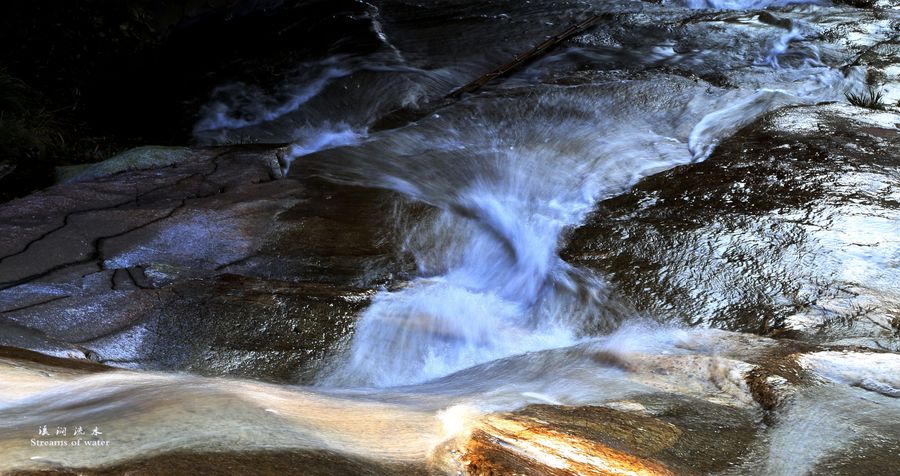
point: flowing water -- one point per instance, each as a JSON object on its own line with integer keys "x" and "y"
{"x": 511, "y": 169}
{"x": 495, "y": 319}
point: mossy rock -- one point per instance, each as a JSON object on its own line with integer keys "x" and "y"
{"x": 140, "y": 158}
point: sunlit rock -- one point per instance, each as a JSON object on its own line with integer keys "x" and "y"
{"x": 790, "y": 226}
{"x": 674, "y": 435}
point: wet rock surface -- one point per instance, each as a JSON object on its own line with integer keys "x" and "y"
{"x": 698, "y": 408}
{"x": 716, "y": 402}
{"x": 213, "y": 263}
{"x": 654, "y": 434}
{"x": 791, "y": 226}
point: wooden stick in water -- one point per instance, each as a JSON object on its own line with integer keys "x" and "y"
{"x": 406, "y": 115}
{"x": 529, "y": 55}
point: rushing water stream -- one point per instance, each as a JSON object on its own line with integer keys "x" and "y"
{"x": 496, "y": 319}
{"x": 514, "y": 167}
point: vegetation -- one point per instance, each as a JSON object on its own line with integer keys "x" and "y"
{"x": 34, "y": 139}
{"x": 26, "y": 127}
{"x": 871, "y": 98}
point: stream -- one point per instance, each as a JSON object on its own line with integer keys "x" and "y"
{"x": 513, "y": 168}
{"x": 493, "y": 318}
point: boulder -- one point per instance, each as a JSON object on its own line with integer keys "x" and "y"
{"x": 789, "y": 228}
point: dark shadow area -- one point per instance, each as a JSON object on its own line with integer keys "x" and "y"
{"x": 80, "y": 81}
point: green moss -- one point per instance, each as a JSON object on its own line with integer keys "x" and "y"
{"x": 140, "y": 158}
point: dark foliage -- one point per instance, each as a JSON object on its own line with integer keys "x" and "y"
{"x": 869, "y": 99}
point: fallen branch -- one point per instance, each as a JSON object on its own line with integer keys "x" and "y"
{"x": 529, "y": 55}
{"x": 403, "y": 116}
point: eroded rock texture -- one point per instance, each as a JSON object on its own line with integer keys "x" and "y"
{"x": 214, "y": 263}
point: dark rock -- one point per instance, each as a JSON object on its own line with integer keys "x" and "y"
{"x": 769, "y": 18}
{"x": 255, "y": 328}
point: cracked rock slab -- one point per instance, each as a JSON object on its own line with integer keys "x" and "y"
{"x": 213, "y": 262}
